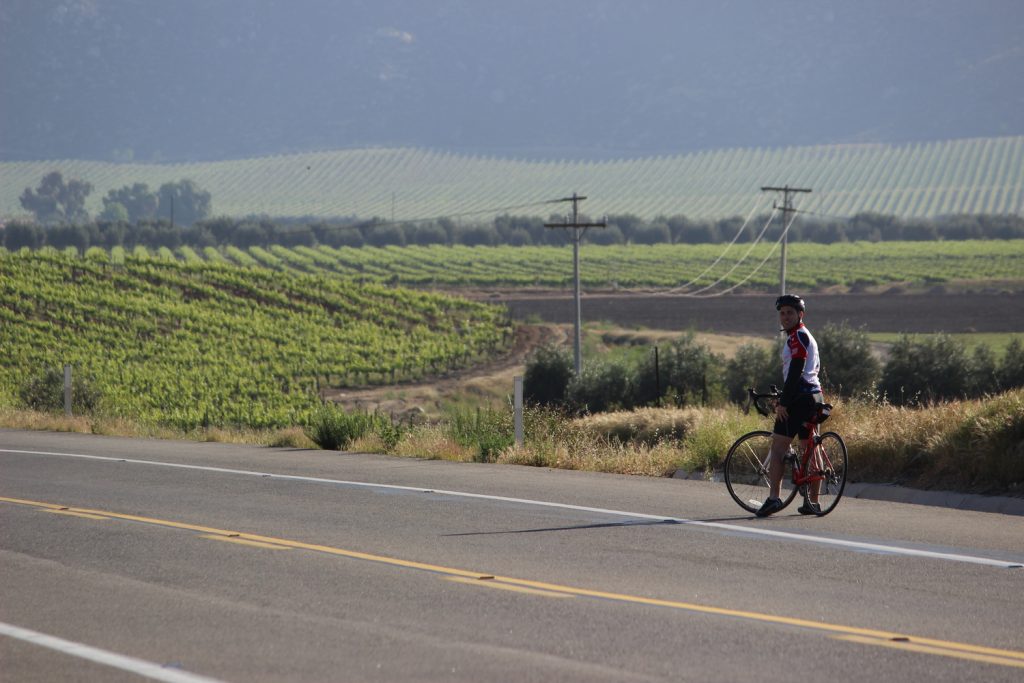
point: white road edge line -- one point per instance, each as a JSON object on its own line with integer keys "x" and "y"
{"x": 136, "y": 666}
{"x": 735, "y": 528}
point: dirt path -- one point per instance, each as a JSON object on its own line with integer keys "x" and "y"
{"x": 413, "y": 400}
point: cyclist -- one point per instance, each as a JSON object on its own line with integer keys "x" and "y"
{"x": 801, "y": 396}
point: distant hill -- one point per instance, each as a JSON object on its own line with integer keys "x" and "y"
{"x": 981, "y": 175}
{"x": 195, "y": 80}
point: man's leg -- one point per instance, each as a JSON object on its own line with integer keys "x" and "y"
{"x": 776, "y": 467}
{"x": 813, "y": 464}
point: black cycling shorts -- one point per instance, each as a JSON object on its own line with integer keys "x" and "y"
{"x": 803, "y": 409}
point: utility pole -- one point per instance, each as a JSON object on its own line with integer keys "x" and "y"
{"x": 577, "y": 233}
{"x": 787, "y": 208}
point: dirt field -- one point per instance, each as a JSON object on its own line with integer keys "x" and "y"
{"x": 914, "y": 313}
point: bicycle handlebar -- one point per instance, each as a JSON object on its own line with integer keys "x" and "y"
{"x": 773, "y": 394}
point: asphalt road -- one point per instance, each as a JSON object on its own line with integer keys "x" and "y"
{"x": 187, "y": 562}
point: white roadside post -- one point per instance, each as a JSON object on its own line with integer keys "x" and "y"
{"x": 67, "y": 390}
{"x": 518, "y": 409}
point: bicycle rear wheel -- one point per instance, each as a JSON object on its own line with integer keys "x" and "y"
{"x": 830, "y": 461}
{"x": 746, "y": 472}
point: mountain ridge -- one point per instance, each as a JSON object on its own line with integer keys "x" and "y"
{"x": 193, "y": 80}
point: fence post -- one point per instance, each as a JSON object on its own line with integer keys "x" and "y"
{"x": 67, "y": 390}
{"x": 657, "y": 379}
{"x": 518, "y": 409}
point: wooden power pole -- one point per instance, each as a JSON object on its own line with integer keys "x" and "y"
{"x": 577, "y": 233}
{"x": 786, "y": 208}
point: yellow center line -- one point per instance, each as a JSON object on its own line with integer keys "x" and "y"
{"x": 874, "y": 636}
{"x": 914, "y": 645}
{"x": 245, "y": 541}
{"x": 507, "y": 587}
{"x": 72, "y": 513}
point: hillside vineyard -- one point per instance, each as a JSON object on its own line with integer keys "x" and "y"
{"x": 196, "y": 344}
{"x": 972, "y": 176}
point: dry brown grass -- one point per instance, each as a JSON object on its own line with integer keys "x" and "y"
{"x": 597, "y": 455}
{"x": 11, "y": 418}
{"x": 434, "y": 443}
{"x": 975, "y": 446}
{"x": 645, "y": 425}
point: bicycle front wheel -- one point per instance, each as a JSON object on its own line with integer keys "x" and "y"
{"x": 830, "y": 461}
{"x": 746, "y": 472}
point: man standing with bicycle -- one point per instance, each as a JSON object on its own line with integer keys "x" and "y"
{"x": 798, "y": 405}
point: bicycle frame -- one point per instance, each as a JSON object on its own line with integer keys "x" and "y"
{"x": 819, "y": 464}
{"x": 802, "y": 475}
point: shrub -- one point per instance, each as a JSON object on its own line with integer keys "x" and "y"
{"x": 688, "y": 372}
{"x": 428, "y": 233}
{"x": 601, "y": 386}
{"x": 754, "y": 366}
{"x": 249, "y": 235}
{"x": 657, "y": 233}
{"x": 477, "y": 235}
{"x": 984, "y": 374}
{"x": 384, "y": 235}
{"x": 1011, "y": 369}
{"x": 333, "y": 429}
{"x": 610, "y": 235}
{"x": 927, "y": 371}
{"x": 18, "y": 235}
{"x": 648, "y": 426}
{"x": 847, "y": 364}
{"x": 61, "y": 236}
{"x": 487, "y": 429}
{"x": 345, "y": 237}
{"x": 45, "y": 392}
{"x": 547, "y": 376}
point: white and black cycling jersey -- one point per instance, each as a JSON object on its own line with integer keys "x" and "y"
{"x": 800, "y": 352}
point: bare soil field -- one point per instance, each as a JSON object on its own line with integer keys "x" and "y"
{"x": 754, "y": 314}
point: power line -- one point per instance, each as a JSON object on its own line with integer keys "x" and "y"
{"x": 753, "y": 272}
{"x": 720, "y": 256}
{"x": 756, "y": 241}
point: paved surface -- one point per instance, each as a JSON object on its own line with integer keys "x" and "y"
{"x": 1007, "y": 505}
{"x": 245, "y": 564}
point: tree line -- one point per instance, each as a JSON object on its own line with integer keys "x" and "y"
{"x": 56, "y": 201}
{"x": 178, "y": 214}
